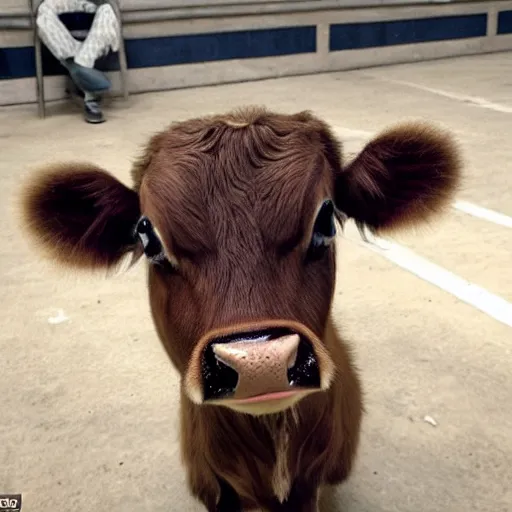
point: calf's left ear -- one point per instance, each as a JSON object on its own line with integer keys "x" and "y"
{"x": 402, "y": 177}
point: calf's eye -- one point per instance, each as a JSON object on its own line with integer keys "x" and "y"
{"x": 324, "y": 231}
{"x": 152, "y": 246}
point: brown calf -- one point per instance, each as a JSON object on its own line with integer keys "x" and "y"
{"x": 236, "y": 215}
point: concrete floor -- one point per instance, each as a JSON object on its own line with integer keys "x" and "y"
{"x": 88, "y": 415}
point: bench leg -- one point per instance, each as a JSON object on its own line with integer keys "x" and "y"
{"x": 39, "y": 76}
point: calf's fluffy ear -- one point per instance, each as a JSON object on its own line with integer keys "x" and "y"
{"x": 402, "y": 177}
{"x": 80, "y": 215}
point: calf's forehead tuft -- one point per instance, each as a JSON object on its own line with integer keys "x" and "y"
{"x": 264, "y": 130}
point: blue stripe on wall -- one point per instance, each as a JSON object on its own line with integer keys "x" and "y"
{"x": 350, "y": 36}
{"x": 180, "y": 49}
{"x": 505, "y": 22}
{"x": 243, "y": 44}
{"x": 16, "y": 62}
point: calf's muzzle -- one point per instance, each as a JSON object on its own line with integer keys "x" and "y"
{"x": 258, "y": 369}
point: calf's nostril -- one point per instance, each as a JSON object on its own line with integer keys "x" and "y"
{"x": 219, "y": 379}
{"x": 305, "y": 371}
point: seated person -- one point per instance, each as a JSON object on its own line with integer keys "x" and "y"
{"x": 79, "y": 57}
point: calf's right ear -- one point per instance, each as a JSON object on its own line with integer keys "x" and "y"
{"x": 80, "y": 215}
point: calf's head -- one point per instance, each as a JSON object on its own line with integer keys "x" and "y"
{"x": 236, "y": 215}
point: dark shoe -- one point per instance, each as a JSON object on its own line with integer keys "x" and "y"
{"x": 87, "y": 79}
{"x": 92, "y": 112}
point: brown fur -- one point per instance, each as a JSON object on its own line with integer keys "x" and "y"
{"x": 323, "y": 433}
{"x": 234, "y": 199}
{"x": 406, "y": 175}
{"x": 99, "y": 215}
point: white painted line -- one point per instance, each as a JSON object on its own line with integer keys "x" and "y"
{"x": 470, "y": 293}
{"x": 345, "y": 132}
{"x": 484, "y": 213}
{"x": 472, "y": 100}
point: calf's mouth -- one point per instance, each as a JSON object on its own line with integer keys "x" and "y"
{"x": 258, "y": 369}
